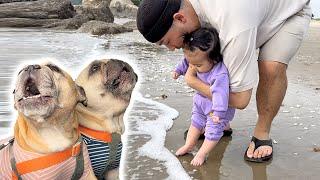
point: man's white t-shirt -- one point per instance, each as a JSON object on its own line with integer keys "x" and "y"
{"x": 244, "y": 26}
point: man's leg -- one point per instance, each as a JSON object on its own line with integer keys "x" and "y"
{"x": 270, "y": 93}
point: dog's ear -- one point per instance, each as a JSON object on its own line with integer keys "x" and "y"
{"x": 82, "y": 95}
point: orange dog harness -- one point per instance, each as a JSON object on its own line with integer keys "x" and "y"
{"x": 46, "y": 161}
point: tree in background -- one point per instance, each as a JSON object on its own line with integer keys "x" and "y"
{"x": 136, "y": 2}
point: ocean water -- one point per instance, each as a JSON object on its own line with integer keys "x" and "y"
{"x": 73, "y": 51}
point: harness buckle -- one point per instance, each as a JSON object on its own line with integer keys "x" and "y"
{"x": 76, "y": 149}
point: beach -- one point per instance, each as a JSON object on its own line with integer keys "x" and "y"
{"x": 295, "y": 130}
{"x": 161, "y": 107}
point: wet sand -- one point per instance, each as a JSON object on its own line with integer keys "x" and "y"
{"x": 295, "y": 129}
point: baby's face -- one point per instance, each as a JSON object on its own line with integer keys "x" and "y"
{"x": 199, "y": 59}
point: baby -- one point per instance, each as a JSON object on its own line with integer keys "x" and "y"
{"x": 209, "y": 116}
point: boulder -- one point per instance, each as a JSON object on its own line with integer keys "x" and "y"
{"x": 123, "y": 9}
{"x": 131, "y": 24}
{"x": 10, "y": 1}
{"x": 96, "y": 3}
{"x": 101, "y": 28}
{"x": 42, "y": 9}
{"x": 83, "y": 15}
{"x": 34, "y": 13}
{"x": 95, "y": 13}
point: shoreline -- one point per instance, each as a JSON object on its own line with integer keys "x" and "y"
{"x": 301, "y": 109}
{"x": 294, "y": 129}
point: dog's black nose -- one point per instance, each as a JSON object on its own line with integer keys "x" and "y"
{"x": 32, "y": 67}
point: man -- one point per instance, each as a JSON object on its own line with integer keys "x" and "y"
{"x": 275, "y": 27}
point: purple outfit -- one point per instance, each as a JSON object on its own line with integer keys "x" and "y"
{"x": 218, "y": 80}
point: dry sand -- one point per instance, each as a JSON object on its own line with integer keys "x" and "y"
{"x": 295, "y": 129}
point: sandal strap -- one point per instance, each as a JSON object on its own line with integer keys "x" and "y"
{"x": 258, "y": 142}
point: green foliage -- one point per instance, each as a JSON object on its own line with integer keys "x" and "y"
{"x": 136, "y": 2}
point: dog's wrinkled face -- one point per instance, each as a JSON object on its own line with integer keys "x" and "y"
{"x": 107, "y": 80}
{"x": 45, "y": 91}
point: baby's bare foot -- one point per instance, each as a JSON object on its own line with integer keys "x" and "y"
{"x": 183, "y": 150}
{"x": 198, "y": 160}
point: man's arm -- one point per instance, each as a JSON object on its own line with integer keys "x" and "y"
{"x": 238, "y": 100}
{"x": 241, "y": 60}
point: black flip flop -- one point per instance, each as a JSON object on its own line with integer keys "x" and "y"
{"x": 226, "y": 133}
{"x": 257, "y": 143}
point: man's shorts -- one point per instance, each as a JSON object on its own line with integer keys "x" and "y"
{"x": 286, "y": 42}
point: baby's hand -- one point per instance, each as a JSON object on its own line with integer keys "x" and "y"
{"x": 214, "y": 118}
{"x": 175, "y": 75}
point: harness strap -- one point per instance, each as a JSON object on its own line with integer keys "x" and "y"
{"x": 78, "y": 172}
{"x": 15, "y": 174}
{"x": 48, "y": 161}
{"x": 7, "y": 143}
{"x": 113, "y": 149}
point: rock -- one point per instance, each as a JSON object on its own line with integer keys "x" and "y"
{"x": 316, "y": 149}
{"x": 26, "y": 22}
{"x": 42, "y": 9}
{"x": 96, "y": 3}
{"x": 35, "y": 13}
{"x": 72, "y": 23}
{"x": 163, "y": 96}
{"x": 101, "y": 28}
{"x": 84, "y": 14}
{"x": 10, "y": 1}
{"x": 95, "y": 13}
{"x": 131, "y": 24}
{"x": 123, "y": 8}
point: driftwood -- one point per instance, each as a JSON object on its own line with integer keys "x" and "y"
{"x": 41, "y": 9}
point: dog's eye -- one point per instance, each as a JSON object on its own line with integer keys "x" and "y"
{"x": 20, "y": 71}
{"x": 54, "y": 68}
{"x": 94, "y": 68}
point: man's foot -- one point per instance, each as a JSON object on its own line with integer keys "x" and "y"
{"x": 259, "y": 150}
{"x": 198, "y": 160}
{"x": 184, "y": 150}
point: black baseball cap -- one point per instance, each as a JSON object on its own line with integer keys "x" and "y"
{"x": 155, "y": 17}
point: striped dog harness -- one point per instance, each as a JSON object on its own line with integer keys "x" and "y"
{"x": 104, "y": 156}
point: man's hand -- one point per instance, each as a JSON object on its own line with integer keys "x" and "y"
{"x": 214, "y": 118}
{"x": 175, "y": 75}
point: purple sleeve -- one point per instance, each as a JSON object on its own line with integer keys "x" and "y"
{"x": 220, "y": 95}
{"x": 214, "y": 131}
{"x": 182, "y": 67}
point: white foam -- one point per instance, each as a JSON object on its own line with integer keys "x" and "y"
{"x": 157, "y": 128}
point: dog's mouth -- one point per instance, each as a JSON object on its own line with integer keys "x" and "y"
{"x": 32, "y": 93}
{"x": 35, "y": 93}
{"x": 119, "y": 76}
{"x": 125, "y": 77}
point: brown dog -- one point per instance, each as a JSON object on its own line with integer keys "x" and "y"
{"x": 108, "y": 85}
{"x": 46, "y": 138}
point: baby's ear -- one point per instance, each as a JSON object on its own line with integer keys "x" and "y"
{"x": 82, "y": 98}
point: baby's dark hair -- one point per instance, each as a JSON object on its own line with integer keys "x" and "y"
{"x": 205, "y": 39}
